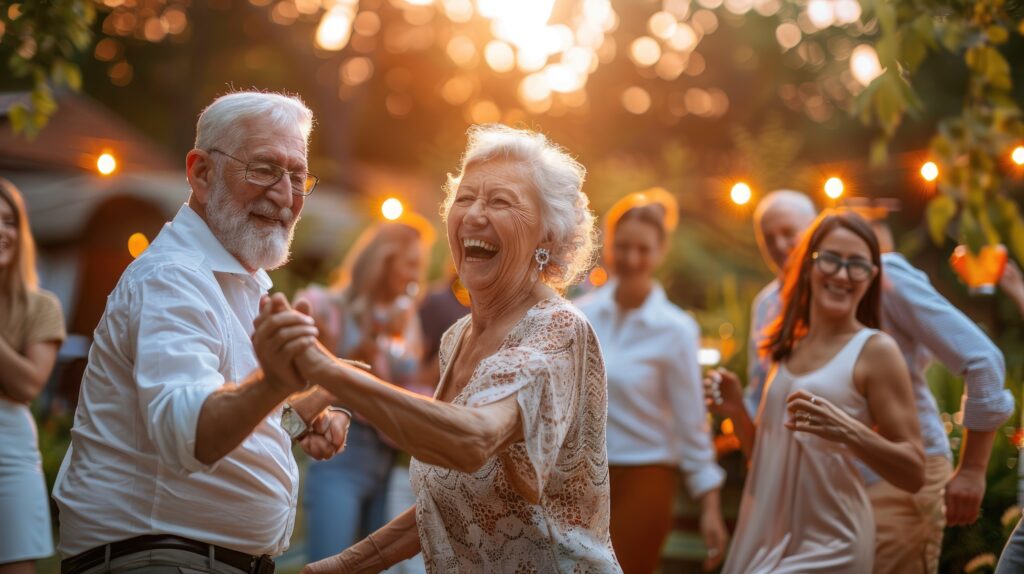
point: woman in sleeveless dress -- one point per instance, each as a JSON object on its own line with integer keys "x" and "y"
{"x": 839, "y": 393}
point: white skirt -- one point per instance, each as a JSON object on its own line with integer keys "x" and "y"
{"x": 25, "y": 531}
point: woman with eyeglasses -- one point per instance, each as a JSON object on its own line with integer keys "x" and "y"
{"x": 839, "y": 392}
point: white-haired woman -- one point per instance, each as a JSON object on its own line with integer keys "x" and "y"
{"x": 31, "y": 330}
{"x": 510, "y": 468}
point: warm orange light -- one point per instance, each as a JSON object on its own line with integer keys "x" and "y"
{"x": 137, "y": 243}
{"x": 728, "y": 427}
{"x": 598, "y": 276}
{"x": 834, "y": 187}
{"x": 1018, "y": 155}
{"x": 106, "y": 164}
{"x": 391, "y": 209}
{"x": 930, "y": 171}
{"x": 980, "y": 272}
{"x": 741, "y": 193}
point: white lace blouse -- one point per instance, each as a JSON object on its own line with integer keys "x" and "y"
{"x": 543, "y": 504}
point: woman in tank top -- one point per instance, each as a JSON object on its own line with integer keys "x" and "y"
{"x": 839, "y": 393}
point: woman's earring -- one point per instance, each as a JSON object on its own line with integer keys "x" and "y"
{"x": 542, "y": 256}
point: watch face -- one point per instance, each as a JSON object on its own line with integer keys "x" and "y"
{"x": 292, "y": 423}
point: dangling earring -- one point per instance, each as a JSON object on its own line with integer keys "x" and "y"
{"x": 542, "y": 256}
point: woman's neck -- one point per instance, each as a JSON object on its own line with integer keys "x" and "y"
{"x": 495, "y": 307}
{"x": 631, "y": 293}
{"x": 822, "y": 326}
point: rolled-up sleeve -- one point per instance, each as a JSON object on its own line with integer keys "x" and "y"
{"x": 698, "y": 462}
{"x": 954, "y": 339}
{"x": 177, "y": 359}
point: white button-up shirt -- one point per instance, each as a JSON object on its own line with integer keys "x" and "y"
{"x": 176, "y": 328}
{"x": 656, "y": 412}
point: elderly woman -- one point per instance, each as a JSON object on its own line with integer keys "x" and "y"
{"x": 510, "y": 468}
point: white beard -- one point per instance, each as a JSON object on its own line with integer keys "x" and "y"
{"x": 255, "y": 247}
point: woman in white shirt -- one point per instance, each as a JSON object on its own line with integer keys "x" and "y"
{"x": 657, "y": 422}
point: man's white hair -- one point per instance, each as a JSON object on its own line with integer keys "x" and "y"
{"x": 798, "y": 200}
{"x": 223, "y": 123}
{"x": 568, "y": 223}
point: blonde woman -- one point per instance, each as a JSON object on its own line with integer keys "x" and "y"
{"x": 31, "y": 330}
{"x": 657, "y": 423}
{"x": 369, "y": 314}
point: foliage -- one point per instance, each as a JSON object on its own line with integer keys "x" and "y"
{"x": 970, "y": 148}
{"x": 44, "y": 38}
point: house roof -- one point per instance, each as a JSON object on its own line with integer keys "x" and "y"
{"x": 74, "y": 138}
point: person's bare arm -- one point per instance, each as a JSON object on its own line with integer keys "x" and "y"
{"x": 396, "y": 541}
{"x": 22, "y": 377}
{"x": 895, "y": 451}
{"x": 435, "y": 432}
{"x": 229, "y": 414}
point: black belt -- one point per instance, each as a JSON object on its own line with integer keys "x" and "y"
{"x": 90, "y": 558}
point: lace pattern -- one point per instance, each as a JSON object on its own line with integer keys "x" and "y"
{"x": 543, "y": 504}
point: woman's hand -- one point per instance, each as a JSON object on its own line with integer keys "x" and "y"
{"x": 723, "y": 393}
{"x": 816, "y": 415}
{"x": 333, "y": 565}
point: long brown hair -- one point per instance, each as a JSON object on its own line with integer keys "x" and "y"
{"x": 793, "y": 322}
{"x": 19, "y": 278}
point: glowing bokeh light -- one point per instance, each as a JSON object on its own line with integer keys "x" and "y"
{"x": 106, "y": 164}
{"x": 499, "y": 56}
{"x": 741, "y": 193}
{"x": 834, "y": 187}
{"x": 137, "y": 243}
{"x": 864, "y": 64}
{"x": 636, "y": 100}
{"x": 930, "y": 171}
{"x": 335, "y": 28}
{"x": 1018, "y": 155}
{"x": 645, "y": 51}
{"x": 391, "y": 209}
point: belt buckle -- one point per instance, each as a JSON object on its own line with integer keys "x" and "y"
{"x": 263, "y": 565}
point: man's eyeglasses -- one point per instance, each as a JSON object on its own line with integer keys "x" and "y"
{"x": 856, "y": 269}
{"x": 266, "y": 174}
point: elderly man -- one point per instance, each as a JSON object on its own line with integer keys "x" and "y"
{"x": 926, "y": 325}
{"x": 180, "y": 459}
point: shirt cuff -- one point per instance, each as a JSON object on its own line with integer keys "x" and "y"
{"x": 987, "y": 413}
{"x": 698, "y": 483}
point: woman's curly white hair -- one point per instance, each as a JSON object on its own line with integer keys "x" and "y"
{"x": 569, "y": 225}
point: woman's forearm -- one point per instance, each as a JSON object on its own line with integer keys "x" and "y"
{"x": 432, "y": 431}
{"x": 21, "y": 378}
{"x": 396, "y": 541}
{"x": 899, "y": 463}
{"x": 745, "y": 430}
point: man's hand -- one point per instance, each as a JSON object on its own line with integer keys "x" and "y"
{"x": 963, "y": 496}
{"x": 328, "y": 433}
{"x": 281, "y": 334}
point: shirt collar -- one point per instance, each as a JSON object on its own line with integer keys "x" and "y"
{"x": 649, "y": 312}
{"x": 193, "y": 231}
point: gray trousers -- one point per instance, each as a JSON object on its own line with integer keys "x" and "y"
{"x": 164, "y": 562}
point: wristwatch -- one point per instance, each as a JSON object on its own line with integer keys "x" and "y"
{"x": 293, "y": 423}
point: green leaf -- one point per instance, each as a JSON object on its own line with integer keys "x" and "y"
{"x": 19, "y": 117}
{"x": 971, "y": 232}
{"x": 939, "y": 213}
{"x": 879, "y": 153}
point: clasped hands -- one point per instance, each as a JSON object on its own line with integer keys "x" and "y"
{"x": 285, "y": 341}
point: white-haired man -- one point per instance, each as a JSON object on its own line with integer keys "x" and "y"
{"x": 180, "y": 459}
{"x": 925, "y": 325}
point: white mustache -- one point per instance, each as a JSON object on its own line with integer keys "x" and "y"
{"x": 265, "y": 208}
